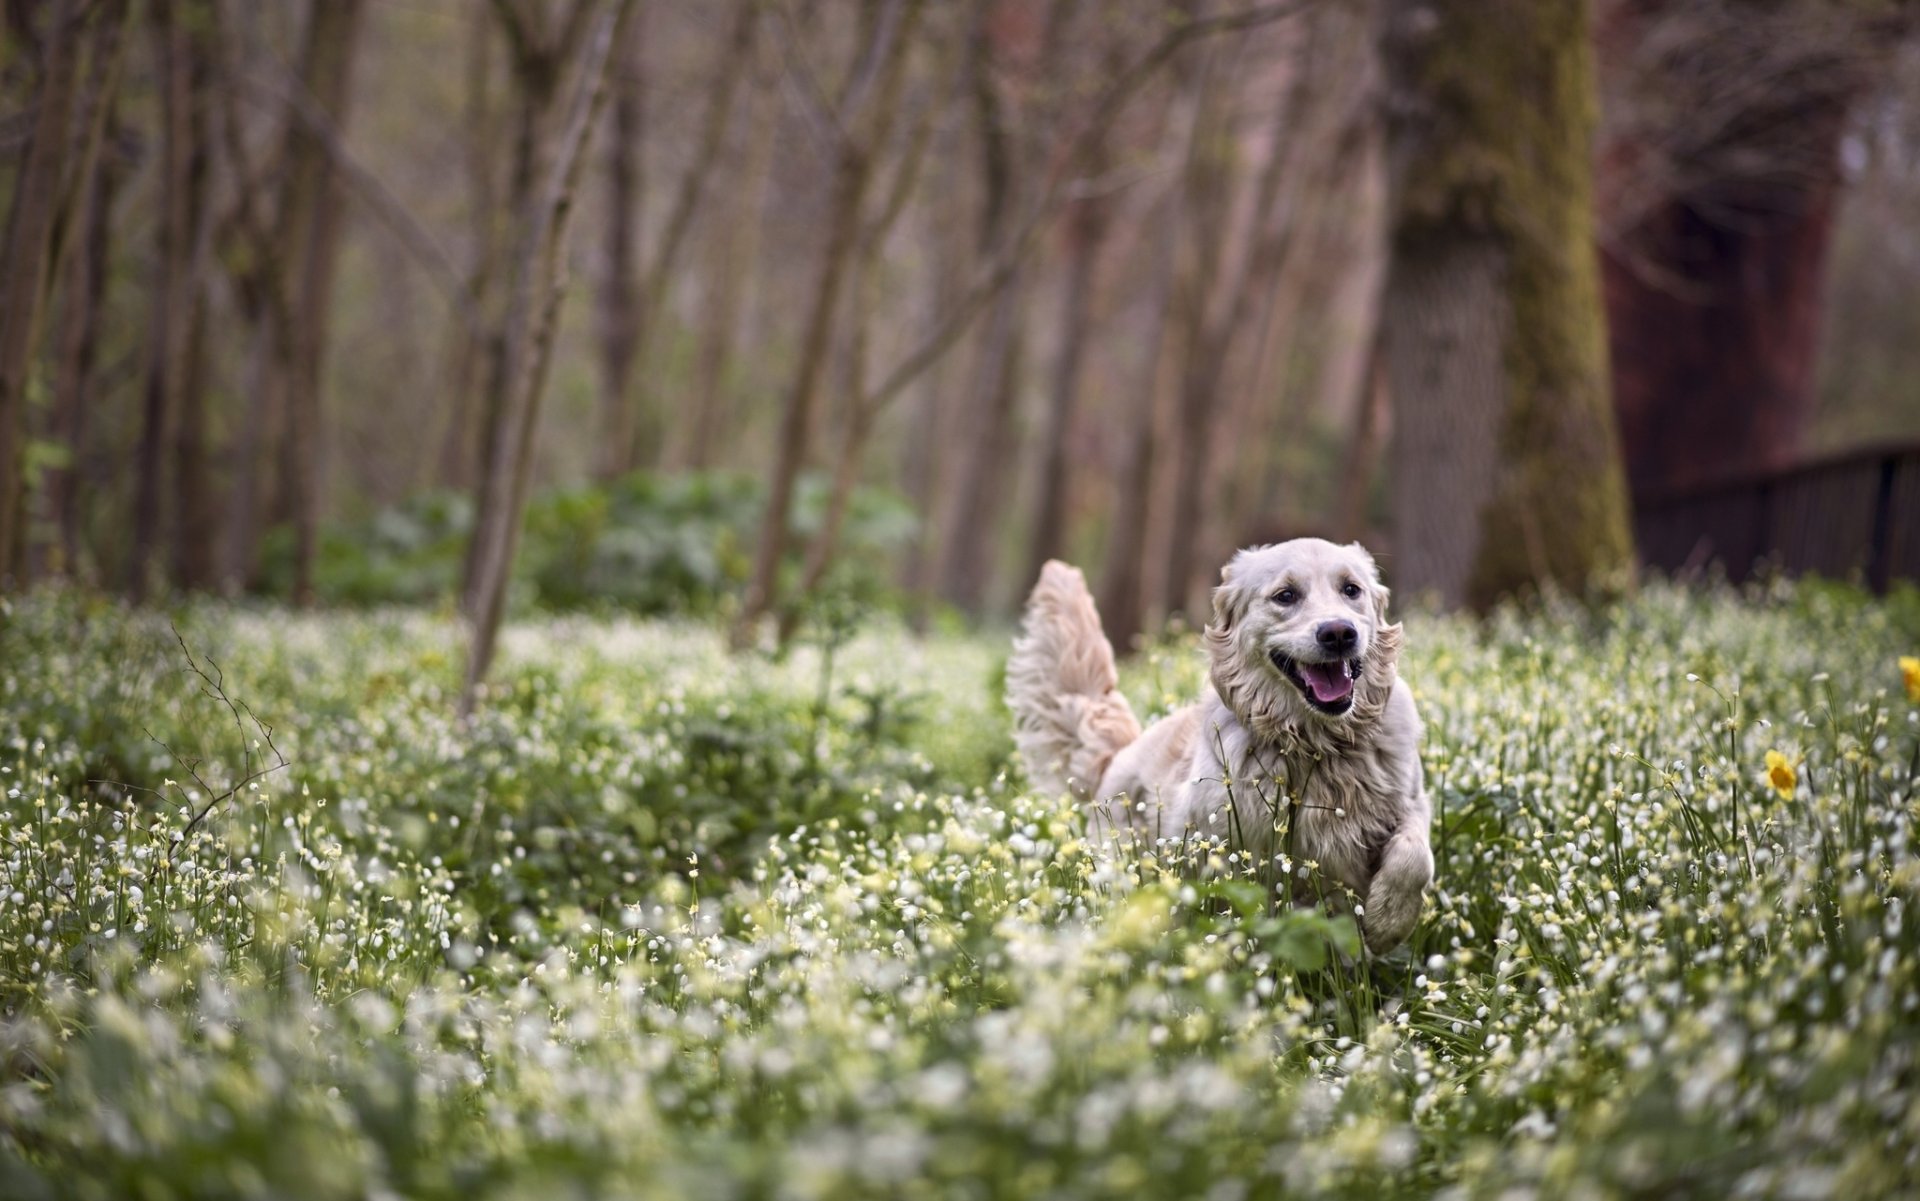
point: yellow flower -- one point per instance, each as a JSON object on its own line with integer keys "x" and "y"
{"x": 1910, "y": 675}
{"x": 1780, "y": 774}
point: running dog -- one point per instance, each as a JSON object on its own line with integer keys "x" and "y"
{"x": 1305, "y": 730}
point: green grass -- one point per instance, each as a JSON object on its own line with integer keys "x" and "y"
{"x": 668, "y": 923}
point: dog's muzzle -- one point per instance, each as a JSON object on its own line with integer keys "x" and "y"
{"x": 1327, "y": 686}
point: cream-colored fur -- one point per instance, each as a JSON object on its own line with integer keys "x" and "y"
{"x": 1253, "y": 766}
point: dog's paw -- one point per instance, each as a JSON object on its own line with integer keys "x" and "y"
{"x": 1395, "y": 895}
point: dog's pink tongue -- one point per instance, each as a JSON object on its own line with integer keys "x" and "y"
{"x": 1328, "y": 681}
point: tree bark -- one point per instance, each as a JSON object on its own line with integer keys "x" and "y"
{"x": 628, "y": 420}
{"x": 83, "y": 261}
{"x": 1506, "y": 466}
{"x": 331, "y": 38}
{"x": 25, "y": 262}
{"x": 538, "y": 60}
{"x": 195, "y": 519}
{"x": 1122, "y": 595}
{"x": 619, "y": 286}
{"x": 735, "y": 247}
{"x": 539, "y": 284}
{"x": 468, "y": 354}
{"x": 862, "y": 124}
{"x": 1086, "y": 231}
{"x": 972, "y": 510}
{"x": 1216, "y": 310}
{"x": 86, "y": 293}
{"x": 175, "y": 294}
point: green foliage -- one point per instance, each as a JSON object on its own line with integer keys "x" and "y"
{"x": 666, "y": 922}
{"x": 648, "y": 544}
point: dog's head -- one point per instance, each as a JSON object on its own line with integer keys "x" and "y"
{"x": 1300, "y": 631}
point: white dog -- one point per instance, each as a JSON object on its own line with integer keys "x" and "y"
{"x": 1305, "y": 732}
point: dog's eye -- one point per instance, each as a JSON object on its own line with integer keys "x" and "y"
{"x": 1350, "y": 590}
{"x": 1286, "y": 596}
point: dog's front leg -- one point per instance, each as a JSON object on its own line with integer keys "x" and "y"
{"x": 1399, "y": 884}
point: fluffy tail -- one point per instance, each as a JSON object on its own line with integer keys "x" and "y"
{"x": 1068, "y": 719}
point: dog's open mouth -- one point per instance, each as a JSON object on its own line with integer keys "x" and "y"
{"x": 1328, "y": 686}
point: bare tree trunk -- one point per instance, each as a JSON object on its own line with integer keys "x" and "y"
{"x": 1122, "y": 595}
{"x": 860, "y": 136}
{"x": 1506, "y": 467}
{"x": 971, "y": 512}
{"x": 1086, "y": 231}
{"x": 539, "y": 284}
{"x": 1122, "y": 590}
{"x": 1209, "y": 330}
{"x": 171, "y": 317}
{"x": 535, "y": 102}
{"x": 457, "y": 467}
{"x": 619, "y": 287}
{"x": 636, "y": 418}
{"x": 921, "y": 475}
{"x": 331, "y": 36}
{"x": 86, "y": 273}
{"x": 86, "y": 293}
{"x": 863, "y": 408}
{"x": 735, "y": 244}
{"x": 1362, "y": 452}
{"x": 194, "y": 516}
{"x": 26, "y": 260}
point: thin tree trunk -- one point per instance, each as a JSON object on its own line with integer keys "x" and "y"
{"x": 1086, "y": 225}
{"x": 535, "y": 101}
{"x": 331, "y": 38}
{"x": 260, "y": 299}
{"x": 797, "y": 415}
{"x": 863, "y": 409}
{"x": 457, "y": 468}
{"x": 1362, "y": 452}
{"x": 728, "y": 70}
{"x": 25, "y": 261}
{"x": 966, "y": 540}
{"x": 539, "y": 284}
{"x": 194, "y": 539}
{"x": 921, "y": 475}
{"x": 170, "y": 318}
{"x": 973, "y": 509}
{"x": 620, "y": 315}
{"x": 86, "y": 294}
{"x": 1122, "y": 581}
{"x": 86, "y": 278}
{"x": 858, "y": 145}
{"x": 1122, "y": 595}
{"x": 735, "y": 242}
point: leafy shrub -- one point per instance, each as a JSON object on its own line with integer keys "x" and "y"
{"x": 648, "y": 543}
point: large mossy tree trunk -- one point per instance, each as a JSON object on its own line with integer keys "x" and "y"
{"x": 1507, "y": 470}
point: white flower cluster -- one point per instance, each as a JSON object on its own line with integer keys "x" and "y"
{"x": 663, "y": 922}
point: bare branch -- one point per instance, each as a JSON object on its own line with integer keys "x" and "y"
{"x": 803, "y": 87}
{"x": 1104, "y": 110}
{"x": 726, "y": 79}
{"x": 389, "y": 209}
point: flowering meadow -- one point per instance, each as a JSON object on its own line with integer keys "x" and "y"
{"x": 667, "y": 922}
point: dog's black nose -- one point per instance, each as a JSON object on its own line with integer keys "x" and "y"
{"x": 1336, "y": 637}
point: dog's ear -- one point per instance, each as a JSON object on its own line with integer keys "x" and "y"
{"x": 1227, "y": 603}
{"x": 1379, "y": 592}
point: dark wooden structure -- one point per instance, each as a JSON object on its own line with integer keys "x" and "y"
{"x": 1853, "y": 515}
